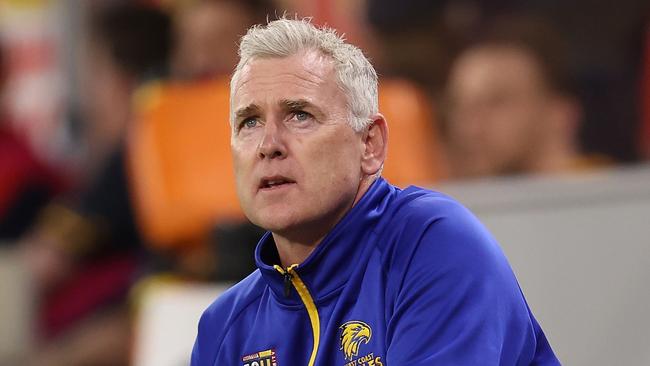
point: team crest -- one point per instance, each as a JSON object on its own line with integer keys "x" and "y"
{"x": 262, "y": 358}
{"x": 353, "y": 334}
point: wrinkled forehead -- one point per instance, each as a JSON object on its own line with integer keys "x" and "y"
{"x": 305, "y": 61}
{"x": 305, "y": 75}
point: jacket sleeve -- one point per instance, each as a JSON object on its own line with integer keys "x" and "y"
{"x": 203, "y": 352}
{"x": 458, "y": 302}
{"x": 212, "y": 328}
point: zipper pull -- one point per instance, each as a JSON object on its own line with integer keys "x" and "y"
{"x": 287, "y": 283}
{"x": 286, "y": 274}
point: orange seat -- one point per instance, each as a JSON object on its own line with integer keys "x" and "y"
{"x": 414, "y": 149}
{"x": 180, "y": 164}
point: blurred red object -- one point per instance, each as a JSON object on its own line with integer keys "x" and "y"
{"x": 21, "y": 172}
{"x": 92, "y": 287}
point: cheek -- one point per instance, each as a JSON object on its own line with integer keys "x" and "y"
{"x": 507, "y": 124}
{"x": 339, "y": 161}
{"x": 520, "y": 129}
{"x": 241, "y": 165}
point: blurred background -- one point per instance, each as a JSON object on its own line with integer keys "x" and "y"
{"x": 118, "y": 216}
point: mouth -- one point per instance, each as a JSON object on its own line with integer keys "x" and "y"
{"x": 275, "y": 182}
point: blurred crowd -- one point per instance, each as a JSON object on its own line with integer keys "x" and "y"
{"x": 141, "y": 187}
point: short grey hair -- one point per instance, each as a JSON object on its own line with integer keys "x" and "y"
{"x": 286, "y": 37}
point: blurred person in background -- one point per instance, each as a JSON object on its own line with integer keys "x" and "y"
{"x": 207, "y": 32}
{"x": 84, "y": 252}
{"x": 26, "y": 182}
{"x": 509, "y": 106}
{"x": 128, "y": 46}
{"x": 434, "y": 31}
{"x": 606, "y": 54}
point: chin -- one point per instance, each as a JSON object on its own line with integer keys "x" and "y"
{"x": 272, "y": 220}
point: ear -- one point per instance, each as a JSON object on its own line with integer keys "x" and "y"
{"x": 375, "y": 144}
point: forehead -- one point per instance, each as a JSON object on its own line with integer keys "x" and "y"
{"x": 496, "y": 67}
{"x": 308, "y": 75}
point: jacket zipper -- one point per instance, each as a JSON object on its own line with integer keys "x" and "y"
{"x": 291, "y": 278}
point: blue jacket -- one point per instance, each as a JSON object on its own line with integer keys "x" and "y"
{"x": 406, "y": 278}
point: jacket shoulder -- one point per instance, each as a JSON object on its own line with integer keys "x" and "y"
{"x": 418, "y": 211}
{"x": 417, "y": 204}
{"x": 431, "y": 227}
{"x": 441, "y": 260}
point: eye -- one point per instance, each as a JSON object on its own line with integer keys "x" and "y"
{"x": 301, "y": 115}
{"x": 249, "y": 122}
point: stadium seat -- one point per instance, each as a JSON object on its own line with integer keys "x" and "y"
{"x": 414, "y": 149}
{"x": 180, "y": 165}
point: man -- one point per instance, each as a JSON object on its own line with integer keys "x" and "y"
{"x": 353, "y": 270}
{"x": 510, "y": 107}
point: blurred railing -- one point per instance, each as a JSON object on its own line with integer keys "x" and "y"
{"x": 16, "y": 309}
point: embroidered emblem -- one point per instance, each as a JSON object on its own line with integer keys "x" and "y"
{"x": 353, "y": 333}
{"x": 261, "y": 358}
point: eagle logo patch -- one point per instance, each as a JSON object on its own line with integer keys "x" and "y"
{"x": 353, "y": 333}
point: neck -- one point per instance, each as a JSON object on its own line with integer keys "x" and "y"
{"x": 294, "y": 246}
{"x": 292, "y": 252}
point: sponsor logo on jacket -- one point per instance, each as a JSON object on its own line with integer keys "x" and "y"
{"x": 261, "y": 358}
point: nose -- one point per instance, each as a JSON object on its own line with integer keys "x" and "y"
{"x": 272, "y": 145}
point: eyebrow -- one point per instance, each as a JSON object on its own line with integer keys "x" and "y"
{"x": 247, "y": 111}
{"x": 294, "y": 104}
{"x": 287, "y": 104}
{"x": 297, "y": 104}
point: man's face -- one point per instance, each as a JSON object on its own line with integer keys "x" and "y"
{"x": 297, "y": 161}
{"x": 497, "y": 102}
